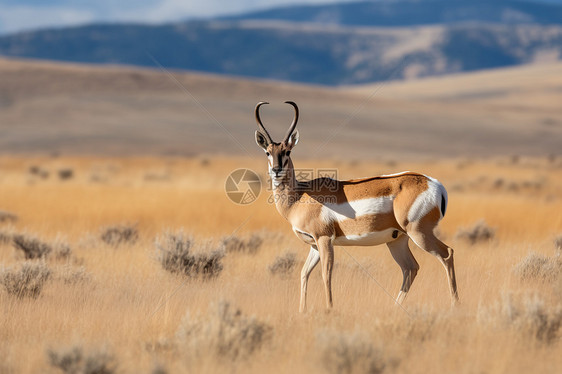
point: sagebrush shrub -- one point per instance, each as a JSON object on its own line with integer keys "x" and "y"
{"x": 537, "y": 266}
{"x": 31, "y": 247}
{"x": 27, "y": 281}
{"x": 34, "y": 248}
{"x": 284, "y": 264}
{"x": 235, "y": 244}
{"x": 558, "y": 245}
{"x": 159, "y": 368}
{"x": 480, "y": 232}
{"x": 253, "y": 244}
{"x": 118, "y": 235}
{"x": 6, "y": 236}
{"x": 7, "y": 217}
{"x": 62, "y": 251}
{"x": 65, "y": 174}
{"x": 75, "y": 361}
{"x": 347, "y": 353}
{"x": 38, "y": 172}
{"x": 72, "y": 275}
{"x": 174, "y": 253}
{"x": 529, "y": 316}
{"x": 225, "y": 332}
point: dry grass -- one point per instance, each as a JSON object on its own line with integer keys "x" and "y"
{"x": 70, "y": 274}
{"x": 529, "y": 316}
{"x": 224, "y": 332}
{"x": 122, "y": 298}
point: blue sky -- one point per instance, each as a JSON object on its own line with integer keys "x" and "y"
{"x": 18, "y": 15}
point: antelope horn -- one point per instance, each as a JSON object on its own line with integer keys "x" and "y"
{"x": 258, "y": 120}
{"x": 295, "y": 119}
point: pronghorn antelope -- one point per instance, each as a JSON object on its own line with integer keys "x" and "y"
{"x": 364, "y": 212}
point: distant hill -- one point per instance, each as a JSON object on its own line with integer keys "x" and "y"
{"x": 324, "y": 44}
{"x": 415, "y": 12}
{"x": 56, "y": 108}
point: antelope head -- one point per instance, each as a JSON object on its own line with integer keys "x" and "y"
{"x": 278, "y": 154}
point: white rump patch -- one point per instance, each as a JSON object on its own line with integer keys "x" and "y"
{"x": 428, "y": 200}
{"x": 368, "y": 239}
{"x": 357, "y": 208}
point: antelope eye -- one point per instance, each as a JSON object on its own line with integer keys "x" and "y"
{"x": 288, "y": 153}
{"x": 267, "y": 154}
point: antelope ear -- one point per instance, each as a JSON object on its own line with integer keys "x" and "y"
{"x": 261, "y": 140}
{"x": 293, "y": 139}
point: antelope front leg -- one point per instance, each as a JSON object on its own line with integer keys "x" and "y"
{"x": 309, "y": 265}
{"x": 326, "y": 250}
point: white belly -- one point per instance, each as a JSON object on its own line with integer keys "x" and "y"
{"x": 368, "y": 239}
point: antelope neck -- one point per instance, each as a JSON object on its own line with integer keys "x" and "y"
{"x": 285, "y": 194}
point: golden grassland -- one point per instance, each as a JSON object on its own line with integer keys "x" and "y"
{"x": 119, "y": 300}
